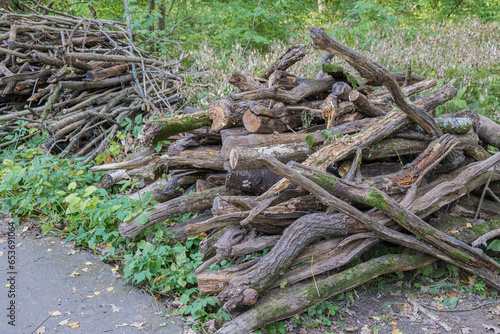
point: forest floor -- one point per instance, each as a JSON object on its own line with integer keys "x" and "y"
{"x": 72, "y": 284}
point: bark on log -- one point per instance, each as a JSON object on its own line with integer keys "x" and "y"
{"x": 277, "y": 308}
{"x": 196, "y": 202}
{"x": 245, "y": 157}
{"x": 228, "y": 114}
{"x": 100, "y": 74}
{"x": 373, "y": 71}
{"x": 259, "y": 119}
{"x": 243, "y": 82}
{"x": 306, "y": 88}
{"x": 208, "y": 157}
{"x": 156, "y": 131}
{"x": 255, "y": 181}
{"x": 488, "y": 131}
{"x": 364, "y": 105}
{"x": 290, "y": 57}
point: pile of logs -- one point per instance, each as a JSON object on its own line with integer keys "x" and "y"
{"x": 316, "y": 172}
{"x": 77, "y": 80}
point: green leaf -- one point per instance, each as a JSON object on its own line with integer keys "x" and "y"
{"x": 72, "y": 186}
{"x": 8, "y": 162}
{"x": 89, "y": 190}
{"x": 143, "y": 219}
{"x": 494, "y": 245}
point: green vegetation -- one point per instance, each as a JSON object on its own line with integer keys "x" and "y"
{"x": 60, "y": 193}
{"x": 451, "y": 40}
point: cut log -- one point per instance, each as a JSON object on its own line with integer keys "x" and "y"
{"x": 196, "y": 202}
{"x": 488, "y": 131}
{"x": 206, "y": 157}
{"x": 259, "y": 119}
{"x": 228, "y": 114}
{"x": 364, "y": 105}
{"x": 254, "y": 181}
{"x": 245, "y": 157}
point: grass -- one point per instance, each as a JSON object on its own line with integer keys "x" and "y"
{"x": 467, "y": 53}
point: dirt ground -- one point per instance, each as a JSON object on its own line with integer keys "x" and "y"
{"x": 389, "y": 309}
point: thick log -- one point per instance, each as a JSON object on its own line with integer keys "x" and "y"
{"x": 245, "y": 157}
{"x": 488, "y": 131}
{"x": 290, "y": 303}
{"x": 259, "y": 119}
{"x": 254, "y": 181}
{"x": 290, "y": 57}
{"x": 228, "y": 114}
{"x": 195, "y": 202}
{"x": 243, "y": 82}
{"x": 206, "y": 157}
{"x": 159, "y": 130}
{"x": 373, "y": 71}
{"x": 306, "y": 88}
{"x": 364, "y": 105}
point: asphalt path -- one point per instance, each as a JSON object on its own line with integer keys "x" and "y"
{"x": 50, "y": 287}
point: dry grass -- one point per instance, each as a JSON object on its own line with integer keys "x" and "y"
{"x": 439, "y": 51}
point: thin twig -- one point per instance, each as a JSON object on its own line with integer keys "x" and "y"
{"x": 484, "y": 192}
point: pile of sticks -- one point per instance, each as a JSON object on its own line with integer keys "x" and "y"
{"x": 77, "y": 80}
{"x": 363, "y": 165}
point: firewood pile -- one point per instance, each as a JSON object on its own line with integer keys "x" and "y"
{"x": 319, "y": 171}
{"x": 82, "y": 80}
{"x": 315, "y": 171}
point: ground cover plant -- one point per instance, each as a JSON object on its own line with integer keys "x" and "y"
{"x": 62, "y": 193}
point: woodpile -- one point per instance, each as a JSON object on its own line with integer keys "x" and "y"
{"x": 310, "y": 172}
{"x": 82, "y": 80}
{"x": 317, "y": 171}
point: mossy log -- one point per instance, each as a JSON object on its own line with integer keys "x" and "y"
{"x": 436, "y": 243}
{"x": 159, "y": 130}
{"x": 195, "y": 202}
{"x": 488, "y": 130}
{"x": 278, "y": 307}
